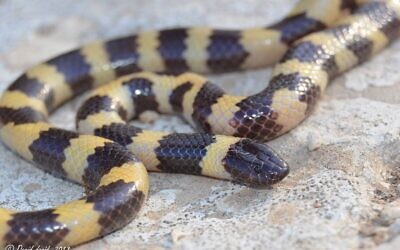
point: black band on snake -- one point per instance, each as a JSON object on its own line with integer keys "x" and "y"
{"x": 315, "y": 43}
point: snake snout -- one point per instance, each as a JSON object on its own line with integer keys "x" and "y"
{"x": 255, "y": 164}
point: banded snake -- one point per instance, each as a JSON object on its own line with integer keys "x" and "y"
{"x": 150, "y": 71}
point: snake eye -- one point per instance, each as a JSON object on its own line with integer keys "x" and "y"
{"x": 255, "y": 164}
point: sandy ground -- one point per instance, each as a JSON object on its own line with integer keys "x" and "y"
{"x": 343, "y": 189}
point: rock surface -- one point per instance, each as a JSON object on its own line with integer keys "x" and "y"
{"x": 343, "y": 190}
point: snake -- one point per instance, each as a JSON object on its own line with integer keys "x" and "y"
{"x": 152, "y": 71}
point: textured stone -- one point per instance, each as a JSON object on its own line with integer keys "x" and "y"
{"x": 343, "y": 190}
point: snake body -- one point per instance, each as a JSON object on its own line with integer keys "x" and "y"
{"x": 116, "y": 182}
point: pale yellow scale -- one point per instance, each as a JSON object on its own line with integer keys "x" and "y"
{"x": 162, "y": 87}
{"x": 98, "y": 120}
{"x": 5, "y": 216}
{"x": 148, "y": 43}
{"x": 367, "y": 28}
{"x": 47, "y": 74}
{"x": 118, "y": 92}
{"x": 395, "y": 6}
{"x": 100, "y": 69}
{"x": 318, "y": 9}
{"x": 212, "y": 162}
{"x": 318, "y": 76}
{"x": 128, "y": 172}
{"x": 17, "y": 99}
{"x": 264, "y": 47}
{"x": 344, "y": 58}
{"x": 77, "y": 153}
{"x": 189, "y": 97}
{"x": 20, "y": 137}
{"x": 291, "y": 111}
{"x": 143, "y": 147}
{"x": 196, "y": 48}
{"x": 222, "y": 113}
{"x": 80, "y": 216}
{"x": 81, "y": 219}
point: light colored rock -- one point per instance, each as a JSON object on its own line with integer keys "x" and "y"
{"x": 392, "y": 245}
{"x": 392, "y": 211}
{"x": 47, "y": 41}
{"x": 370, "y": 75}
{"x": 343, "y": 189}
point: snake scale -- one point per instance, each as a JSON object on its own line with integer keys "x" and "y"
{"x": 317, "y": 41}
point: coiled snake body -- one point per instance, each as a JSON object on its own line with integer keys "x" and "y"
{"x": 115, "y": 180}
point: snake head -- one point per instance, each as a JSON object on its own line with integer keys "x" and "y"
{"x": 254, "y": 164}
